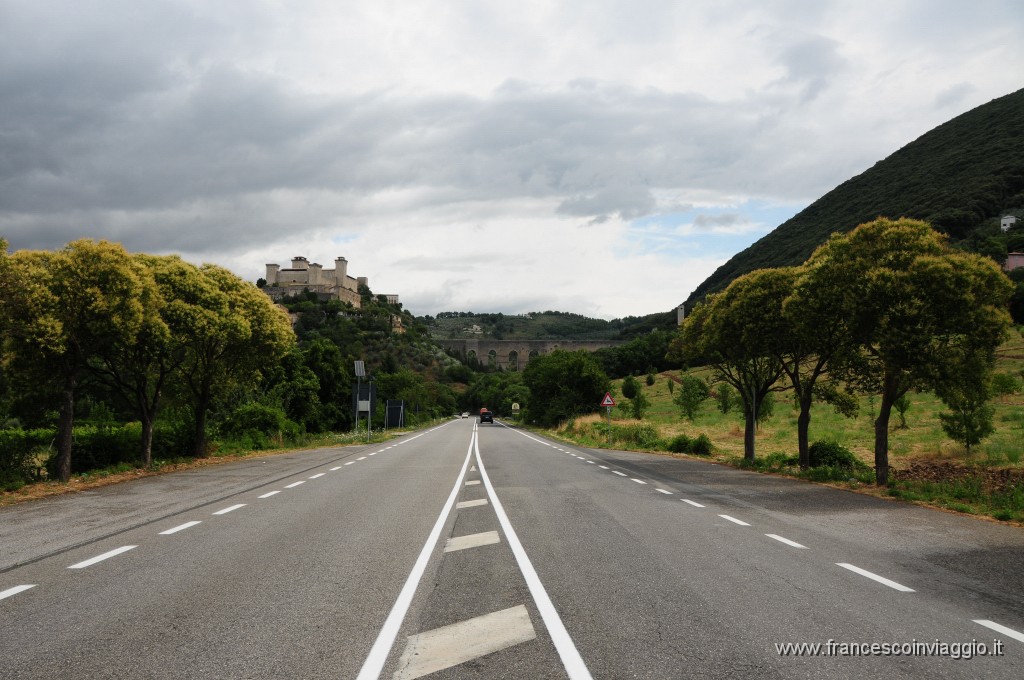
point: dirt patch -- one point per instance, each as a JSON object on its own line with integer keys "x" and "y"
{"x": 994, "y": 479}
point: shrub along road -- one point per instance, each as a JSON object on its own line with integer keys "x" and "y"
{"x": 485, "y": 551}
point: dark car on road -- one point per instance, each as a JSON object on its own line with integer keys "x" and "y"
{"x": 486, "y": 416}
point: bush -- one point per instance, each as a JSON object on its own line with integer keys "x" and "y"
{"x": 254, "y": 425}
{"x": 1004, "y": 384}
{"x": 18, "y": 450}
{"x": 700, "y": 445}
{"x": 834, "y": 455}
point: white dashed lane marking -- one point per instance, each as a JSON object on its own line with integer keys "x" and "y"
{"x": 471, "y": 504}
{"x": 441, "y": 648}
{"x": 471, "y": 541}
{"x": 786, "y": 541}
{"x": 232, "y": 508}
{"x": 180, "y": 527}
{"x": 875, "y": 577}
{"x": 664, "y": 491}
{"x": 350, "y": 462}
{"x": 693, "y": 503}
{"x": 294, "y": 484}
{"x": 1008, "y": 632}
{"x": 335, "y": 468}
{"x": 472, "y": 482}
{"x": 734, "y": 520}
{"x": 319, "y": 474}
{"x": 638, "y": 481}
{"x": 104, "y": 556}
{"x": 620, "y": 474}
{"x": 10, "y": 592}
{"x": 269, "y": 494}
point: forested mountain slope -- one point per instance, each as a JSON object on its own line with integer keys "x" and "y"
{"x": 961, "y": 177}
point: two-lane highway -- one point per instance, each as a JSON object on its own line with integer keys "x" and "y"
{"x": 485, "y": 551}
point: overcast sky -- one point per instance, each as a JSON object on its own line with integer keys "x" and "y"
{"x": 593, "y": 156}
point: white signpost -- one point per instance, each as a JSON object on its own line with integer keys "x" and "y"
{"x": 608, "y": 402}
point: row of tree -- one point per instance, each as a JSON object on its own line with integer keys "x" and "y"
{"x": 884, "y": 309}
{"x": 138, "y": 324}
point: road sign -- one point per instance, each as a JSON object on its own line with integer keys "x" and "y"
{"x": 607, "y": 401}
{"x": 515, "y": 407}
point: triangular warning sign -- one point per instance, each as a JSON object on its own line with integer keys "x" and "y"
{"x": 607, "y": 401}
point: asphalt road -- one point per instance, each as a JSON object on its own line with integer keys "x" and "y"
{"x": 470, "y": 551}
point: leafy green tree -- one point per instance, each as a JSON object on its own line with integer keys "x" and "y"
{"x": 60, "y": 310}
{"x": 639, "y": 404}
{"x": 692, "y": 393}
{"x": 630, "y": 387}
{"x": 902, "y": 405}
{"x": 725, "y": 395}
{"x": 914, "y": 307}
{"x": 808, "y": 337}
{"x": 236, "y": 331}
{"x": 564, "y": 385}
{"x": 730, "y": 333}
{"x": 141, "y": 371}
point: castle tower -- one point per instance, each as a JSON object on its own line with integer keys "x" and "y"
{"x": 299, "y": 262}
{"x": 340, "y": 271}
{"x": 272, "y": 270}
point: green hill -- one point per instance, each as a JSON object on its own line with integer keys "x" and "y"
{"x": 542, "y": 326}
{"x": 961, "y": 177}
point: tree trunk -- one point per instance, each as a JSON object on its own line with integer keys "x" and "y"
{"x": 202, "y": 406}
{"x": 147, "y": 438}
{"x": 882, "y": 432}
{"x": 65, "y": 431}
{"x": 749, "y": 432}
{"x": 803, "y": 425}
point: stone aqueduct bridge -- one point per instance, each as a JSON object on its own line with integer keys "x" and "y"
{"x": 513, "y": 355}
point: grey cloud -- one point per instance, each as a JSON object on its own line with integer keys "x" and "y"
{"x": 705, "y": 221}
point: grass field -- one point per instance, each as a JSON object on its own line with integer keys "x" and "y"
{"x": 928, "y": 466}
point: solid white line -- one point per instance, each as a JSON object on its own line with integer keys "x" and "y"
{"x": 620, "y": 474}
{"x": 1009, "y": 632}
{"x": 180, "y": 527}
{"x": 104, "y": 556}
{"x": 571, "y": 659}
{"x": 638, "y": 481}
{"x": 319, "y": 474}
{"x": 231, "y": 508}
{"x": 786, "y": 541}
{"x": 378, "y": 655}
{"x": 664, "y": 491}
{"x": 269, "y": 494}
{"x": 733, "y": 519}
{"x": 4, "y": 594}
{"x": 875, "y": 577}
{"x": 693, "y": 503}
{"x": 294, "y": 484}
{"x": 335, "y": 468}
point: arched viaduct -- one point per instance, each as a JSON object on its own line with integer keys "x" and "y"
{"x": 513, "y": 355}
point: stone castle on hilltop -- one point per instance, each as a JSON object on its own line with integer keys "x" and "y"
{"x": 305, "y": 276}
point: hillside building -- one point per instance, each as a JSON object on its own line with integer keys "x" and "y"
{"x": 304, "y": 276}
{"x": 1013, "y": 261}
{"x": 1007, "y": 222}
